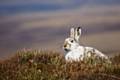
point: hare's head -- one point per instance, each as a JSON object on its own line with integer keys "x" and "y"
{"x": 73, "y": 41}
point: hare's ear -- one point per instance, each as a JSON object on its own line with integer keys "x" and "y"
{"x": 77, "y": 33}
{"x": 72, "y": 33}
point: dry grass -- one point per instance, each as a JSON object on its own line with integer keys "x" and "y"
{"x": 47, "y": 65}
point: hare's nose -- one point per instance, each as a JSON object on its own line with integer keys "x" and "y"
{"x": 65, "y": 45}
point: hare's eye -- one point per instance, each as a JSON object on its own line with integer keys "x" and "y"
{"x": 72, "y": 41}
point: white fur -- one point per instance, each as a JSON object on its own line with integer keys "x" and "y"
{"x": 75, "y": 52}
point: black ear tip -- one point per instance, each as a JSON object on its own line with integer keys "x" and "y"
{"x": 79, "y": 27}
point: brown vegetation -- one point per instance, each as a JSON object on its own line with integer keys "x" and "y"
{"x": 46, "y": 65}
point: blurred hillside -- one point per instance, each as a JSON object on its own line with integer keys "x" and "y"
{"x": 45, "y": 24}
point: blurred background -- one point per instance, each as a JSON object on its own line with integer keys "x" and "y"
{"x": 44, "y": 24}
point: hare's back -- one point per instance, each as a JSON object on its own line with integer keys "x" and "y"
{"x": 95, "y": 51}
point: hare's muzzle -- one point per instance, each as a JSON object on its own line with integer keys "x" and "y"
{"x": 66, "y": 46}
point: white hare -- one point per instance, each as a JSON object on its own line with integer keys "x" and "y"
{"x": 74, "y": 51}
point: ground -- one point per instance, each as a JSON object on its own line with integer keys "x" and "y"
{"x": 49, "y": 65}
